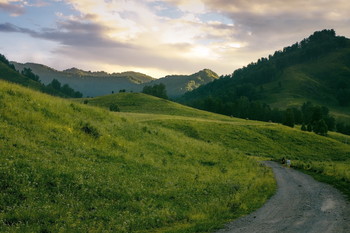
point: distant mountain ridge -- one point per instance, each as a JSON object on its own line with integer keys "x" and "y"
{"x": 102, "y": 83}
{"x": 180, "y": 84}
{"x": 89, "y": 83}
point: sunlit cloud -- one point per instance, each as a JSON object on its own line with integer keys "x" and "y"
{"x": 171, "y": 36}
{"x": 11, "y": 8}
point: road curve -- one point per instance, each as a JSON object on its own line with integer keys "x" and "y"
{"x": 300, "y": 205}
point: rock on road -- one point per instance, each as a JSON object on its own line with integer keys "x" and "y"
{"x": 300, "y": 205}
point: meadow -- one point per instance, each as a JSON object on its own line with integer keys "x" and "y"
{"x": 156, "y": 166}
{"x": 69, "y": 167}
{"x": 325, "y": 158}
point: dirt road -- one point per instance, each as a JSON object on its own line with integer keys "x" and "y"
{"x": 300, "y": 205}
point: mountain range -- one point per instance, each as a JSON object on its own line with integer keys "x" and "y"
{"x": 102, "y": 83}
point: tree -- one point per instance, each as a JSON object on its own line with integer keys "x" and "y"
{"x": 55, "y": 84}
{"x": 29, "y": 74}
{"x": 316, "y": 114}
{"x": 321, "y": 127}
{"x": 4, "y": 60}
{"x": 330, "y": 122}
{"x": 303, "y": 127}
{"x": 307, "y": 110}
{"x": 309, "y": 127}
{"x": 289, "y": 118}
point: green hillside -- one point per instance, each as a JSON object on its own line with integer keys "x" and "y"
{"x": 327, "y": 158}
{"x": 317, "y": 69}
{"x": 75, "y": 168}
{"x": 67, "y": 166}
{"x": 147, "y": 104}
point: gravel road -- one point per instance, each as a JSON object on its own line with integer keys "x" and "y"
{"x": 300, "y": 205}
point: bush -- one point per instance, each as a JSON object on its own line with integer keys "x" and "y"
{"x": 114, "y": 108}
{"x": 89, "y": 129}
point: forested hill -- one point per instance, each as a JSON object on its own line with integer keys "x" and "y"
{"x": 317, "y": 69}
{"x": 28, "y": 79}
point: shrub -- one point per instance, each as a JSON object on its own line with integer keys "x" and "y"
{"x": 90, "y": 129}
{"x": 114, "y": 108}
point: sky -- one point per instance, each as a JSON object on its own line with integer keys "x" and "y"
{"x": 160, "y": 37}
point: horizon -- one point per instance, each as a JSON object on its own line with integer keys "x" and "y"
{"x": 159, "y": 37}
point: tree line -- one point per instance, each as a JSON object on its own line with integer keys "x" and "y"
{"x": 53, "y": 86}
{"x": 312, "y": 117}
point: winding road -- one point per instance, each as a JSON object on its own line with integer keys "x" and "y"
{"x": 300, "y": 205}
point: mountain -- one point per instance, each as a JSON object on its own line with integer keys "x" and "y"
{"x": 177, "y": 85}
{"x": 317, "y": 69}
{"x": 102, "y": 83}
{"x": 89, "y": 83}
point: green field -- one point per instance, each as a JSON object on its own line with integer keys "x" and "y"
{"x": 156, "y": 166}
{"x": 326, "y": 158}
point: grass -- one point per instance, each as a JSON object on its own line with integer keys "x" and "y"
{"x": 312, "y": 153}
{"x": 156, "y": 166}
{"x": 146, "y": 104}
{"x": 66, "y": 166}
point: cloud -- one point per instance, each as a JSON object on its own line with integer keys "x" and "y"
{"x": 14, "y": 10}
{"x": 274, "y": 21}
{"x": 179, "y": 36}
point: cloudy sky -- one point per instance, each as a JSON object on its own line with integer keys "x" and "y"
{"x": 160, "y": 37}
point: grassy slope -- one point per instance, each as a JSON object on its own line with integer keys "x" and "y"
{"x": 329, "y": 156}
{"x": 142, "y": 103}
{"x": 141, "y": 170}
{"x": 70, "y": 167}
